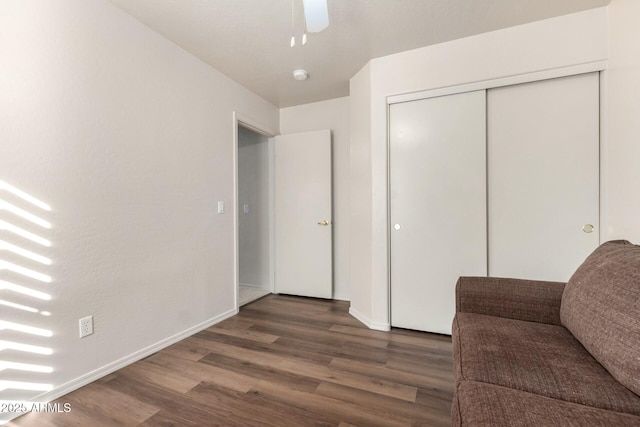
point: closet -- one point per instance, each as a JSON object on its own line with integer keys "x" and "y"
{"x": 503, "y": 181}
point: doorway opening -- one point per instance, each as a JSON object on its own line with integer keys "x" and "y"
{"x": 253, "y": 215}
{"x": 253, "y": 212}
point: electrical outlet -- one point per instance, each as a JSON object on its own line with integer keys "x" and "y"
{"x": 86, "y": 326}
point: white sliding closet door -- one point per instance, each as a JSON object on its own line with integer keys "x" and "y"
{"x": 543, "y": 181}
{"x": 438, "y": 205}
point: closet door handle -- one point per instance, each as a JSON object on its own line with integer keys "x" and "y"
{"x": 325, "y": 222}
{"x": 587, "y": 228}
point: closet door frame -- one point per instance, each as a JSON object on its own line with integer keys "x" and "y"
{"x": 596, "y": 66}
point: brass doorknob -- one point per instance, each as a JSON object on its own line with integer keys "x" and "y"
{"x": 325, "y": 222}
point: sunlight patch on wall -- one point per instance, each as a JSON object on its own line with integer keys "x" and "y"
{"x": 24, "y": 259}
{"x": 24, "y": 367}
{"x": 6, "y": 246}
{"x": 19, "y": 306}
{"x": 24, "y": 233}
{"x": 6, "y": 206}
{"x": 24, "y": 196}
{"x": 24, "y": 271}
{"x": 4, "y": 325}
{"x": 23, "y": 290}
{"x": 22, "y": 385}
{"x": 9, "y": 345}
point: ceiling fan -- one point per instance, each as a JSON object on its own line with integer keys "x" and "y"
{"x": 316, "y": 15}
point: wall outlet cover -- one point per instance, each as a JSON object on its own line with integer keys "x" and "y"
{"x": 86, "y": 326}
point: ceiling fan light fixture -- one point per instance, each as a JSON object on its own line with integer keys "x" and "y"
{"x": 300, "y": 74}
{"x": 293, "y": 37}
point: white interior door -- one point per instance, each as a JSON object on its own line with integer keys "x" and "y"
{"x": 303, "y": 220}
{"x": 438, "y": 206}
{"x": 543, "y": 162}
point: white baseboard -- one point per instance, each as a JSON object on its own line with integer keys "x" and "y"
{"x": 377, "y": 326}
{"x": 96, "y": 374}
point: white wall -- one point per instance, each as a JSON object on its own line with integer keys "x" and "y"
{"x": 559, "y": 42}
{"x": 622, "y": 124}
{"x": 360, "y": 187}
{"x": 332, "y": 114}
{"x": 130, "y": 140}
{"x": 253, "y": 227}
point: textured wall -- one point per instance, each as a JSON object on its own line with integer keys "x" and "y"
{"x": 622, "y": 127}
{"x": 360, "y": 187}
{"x": 130, "y": 140}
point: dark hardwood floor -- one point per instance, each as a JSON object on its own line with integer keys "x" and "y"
{"x": 283, "y": 361}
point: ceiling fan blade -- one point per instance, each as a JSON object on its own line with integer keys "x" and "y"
{"x": 316, "y": 15}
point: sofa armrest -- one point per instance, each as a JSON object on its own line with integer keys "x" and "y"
{"x": 530, "y": 300}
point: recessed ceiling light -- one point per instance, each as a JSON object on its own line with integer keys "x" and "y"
{"x": 300, "y": 74}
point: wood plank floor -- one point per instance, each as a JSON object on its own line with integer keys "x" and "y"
{"x": 283, "y": 361}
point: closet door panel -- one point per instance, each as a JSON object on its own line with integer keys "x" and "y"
{"x": 437, "y": 206}
{"x": 543, "y": 176}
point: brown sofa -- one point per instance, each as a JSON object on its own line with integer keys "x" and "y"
{"x": 532, "y": 353}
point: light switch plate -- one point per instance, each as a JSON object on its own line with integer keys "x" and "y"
{"x": 220, "y": 207}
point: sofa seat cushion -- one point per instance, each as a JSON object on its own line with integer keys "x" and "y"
{"x": 601, "y": 308}
{"x": 535, "y": 357}
{"x": 481, "y": 404}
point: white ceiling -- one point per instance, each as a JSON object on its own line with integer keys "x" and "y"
{"x": 248, "y": 40}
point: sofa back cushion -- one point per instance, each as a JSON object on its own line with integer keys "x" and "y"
{"x": 601, "y": 308}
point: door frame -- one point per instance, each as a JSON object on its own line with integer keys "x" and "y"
{"x": 240, "y": 119}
